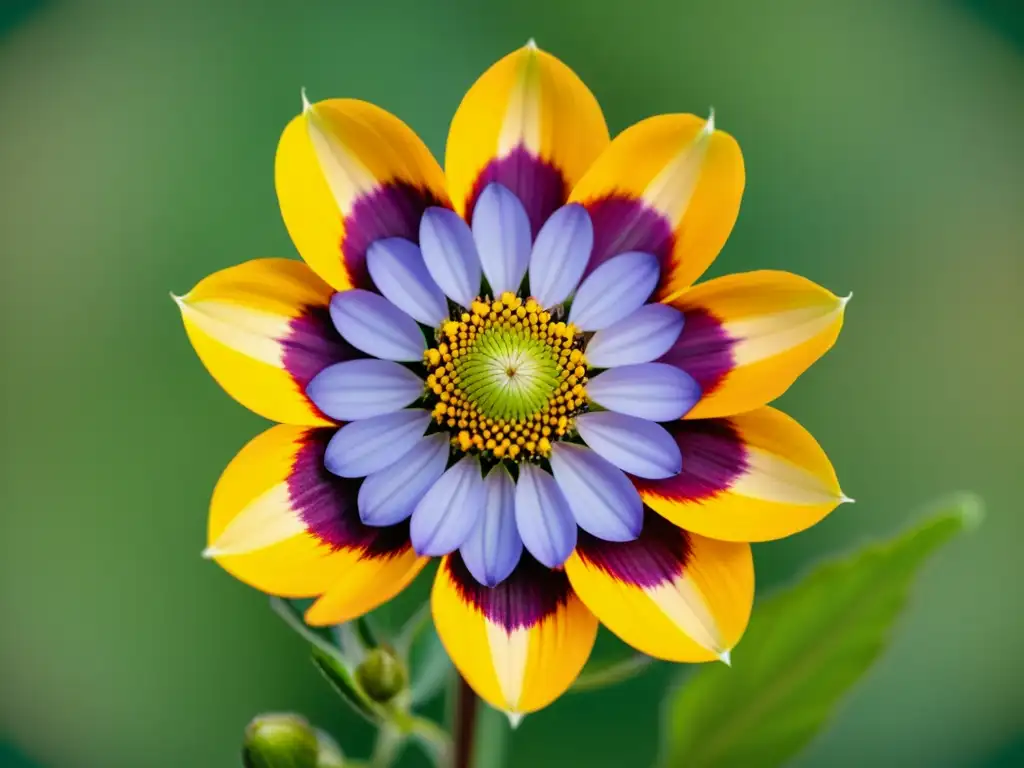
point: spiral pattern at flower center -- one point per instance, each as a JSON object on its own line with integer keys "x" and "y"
{"x": 508, "y": 378}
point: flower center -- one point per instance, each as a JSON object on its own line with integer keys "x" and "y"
{"x": 508, "y": 378}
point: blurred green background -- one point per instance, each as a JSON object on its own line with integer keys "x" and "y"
{"x": 884, "y": 144}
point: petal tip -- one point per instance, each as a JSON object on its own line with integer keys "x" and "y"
{"x": 179, "y": 300}
{"x": 844, "y": 499}
{"x": 514, "y": 719}
{"x": 709, "y": 126}
{"x": 313, "y": 617}
{"x": 531, "y": 44}
{"x": 726, "y": 658}
{"x": 306, "y": 106}
{"x": 210, "y": 552}
{"x": 844, "y": 300}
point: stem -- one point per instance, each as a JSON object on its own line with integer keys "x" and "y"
{"x": 464, "y": 725}
{"x": 479, "y": 732}
{"x": 433, "y": 741}
{"x": 611, "y": 674}
{"x": 492, "y": 729}
{"x": 389, "y": 745}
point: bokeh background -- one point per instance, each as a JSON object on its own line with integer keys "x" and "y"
{"x": 884, "y": 145}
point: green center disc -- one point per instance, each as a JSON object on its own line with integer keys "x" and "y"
{"x": 507, "y": 374}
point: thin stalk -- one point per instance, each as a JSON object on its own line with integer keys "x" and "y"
{"x": 464, "y": 724}
{"x": 388, "y": 746}
{"x": 490, "y": 742}
{"x": 480, "y": 732}
{"x": 616, "y": 672}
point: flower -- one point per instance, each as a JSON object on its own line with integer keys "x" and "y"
{"x": 504, "y": 364}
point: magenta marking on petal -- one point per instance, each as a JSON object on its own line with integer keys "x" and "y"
{"x": 523, "y": 600}
{"x": 704, "y": 350}
{"x": 538, "y": 184}
{"x": 391, "y": 210}
{"x": 622, "y": 224}
{"x": 327, "y": 504}
{"x": 312, "y": 344}
{"x": 657, "y": 557}
{"x": 714, "y": 456}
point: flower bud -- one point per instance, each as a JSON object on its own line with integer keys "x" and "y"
{"x": 279, "y": 741}
{"x": 381, "y": 675}
{"x": 329, "y": 754}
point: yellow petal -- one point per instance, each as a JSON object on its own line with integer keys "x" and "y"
{"x": 349, "y": 173}
{"x": 669, "y": 185}
{"x": 263, "y": 330}
{"x": 756, "y": 476}
{"x": 747, "y": 337}
{"x": 282, "y": 524}
{"x": 670, "y": 594}
{"x": 363, "y": 584}
{"x": 528, "y": 123}
{"x": 520, "y": 645}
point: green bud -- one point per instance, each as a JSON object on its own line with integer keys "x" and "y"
{"x": 381, "y": 675}
{"x": 329, "y": 753}
{"x": 279, "y": 741}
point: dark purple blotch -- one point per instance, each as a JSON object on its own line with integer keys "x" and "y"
{"x": 538, "y": 184}
{"x": 622, "y": 223}
{"x": 714, "y": 457}
{"x": 391, "y": 210}
{"x": 704, "y": 350}
{"x": 657, "y": 557}
{"x": 313, "y": 343}
{"x": 327, "y": 504}
{"x": 528, "y": 596}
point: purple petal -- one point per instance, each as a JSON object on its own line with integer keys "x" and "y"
{"x": 614, "y": 290}
{"x": 397, "y": 268}
{"x": 645, "y": 335}
{"x": 493, "y": 548}
{"x": 560, "y": 254}
{"x": 449, "y": 253}
{"x": 653, "y": 391}
{"x": 447, "y": 513}
{"x": 369, "y": 445}
{"x": 388, "y": 496}
{"x": 637, "y": 446}
{"x": 545, "y": 523}
{"x": 371, "y": 323}
{"x": 501, "y": 231}
{"x": 601, "y": 497}
{"x": 361, "y": 389}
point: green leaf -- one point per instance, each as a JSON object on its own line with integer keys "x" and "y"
{"x": 330, "y": 661}
{"x": 369, "y": 634}
{"x": 803, "y": 650}
{"x": 430, "y": 667}
{"x": 344, "y": 683}
{"x": 318, "y": 636}
{"x": 428, "y": 662}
